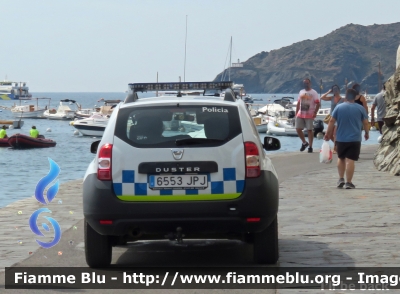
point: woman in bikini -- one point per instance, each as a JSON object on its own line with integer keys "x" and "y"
{"x": 335, "y": 100}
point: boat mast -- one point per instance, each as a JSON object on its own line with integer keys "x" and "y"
{"x": 230, "y": 62}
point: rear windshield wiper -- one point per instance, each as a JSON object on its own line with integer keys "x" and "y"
{"x": 190, "y": 141}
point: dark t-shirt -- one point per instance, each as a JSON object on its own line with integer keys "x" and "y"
{"x": 358, "y": 101}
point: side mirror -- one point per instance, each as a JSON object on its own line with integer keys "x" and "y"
{"x": 93, "y": 147}
{"x": 271, "y": 144}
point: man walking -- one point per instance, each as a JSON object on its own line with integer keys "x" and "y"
{"x": 350, "y": 117}
{"x": 306, "y": 110}
{"x": 380, "y": 105}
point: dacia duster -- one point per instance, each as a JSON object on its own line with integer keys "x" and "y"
{"x": 181, "y": 166}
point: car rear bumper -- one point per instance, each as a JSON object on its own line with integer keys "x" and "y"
{"x": 258, "y": 200}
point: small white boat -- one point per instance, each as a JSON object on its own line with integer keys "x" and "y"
{"x": 92, "y": 126}
{"x": 322, "y": 113}
{"x": 276, "y": 110}
{"x": 261, "y": 121}
{"x": 282, "y": 127}
{"x": 84, "y": 113}
{"x": 29, "y": 110}
{"x": 286, "y": 127}
{"x": 97, "y": 122}
{"x": 63, "y": 112}
{"x": 106, "y": 109}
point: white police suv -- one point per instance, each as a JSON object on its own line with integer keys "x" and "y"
{"x": 181, "y": 166}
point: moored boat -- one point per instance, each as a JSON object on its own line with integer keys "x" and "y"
{"x": 92, "y": 126}
{"x": 97, "y": 122}
{"x": 20, "y": 141}
{"x": 4, "y": 142}
{"x": 14, "y": 90}
{"x": 322, "y": 113}
{"x": 63, "y": 112}
{"x": 17, "y": 124}
{"x": 261, "y": 121}
{"x": 30, "y": 110}
{"x": 286, "y": 127}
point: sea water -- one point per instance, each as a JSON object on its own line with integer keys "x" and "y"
{"x": 20, "y": 170}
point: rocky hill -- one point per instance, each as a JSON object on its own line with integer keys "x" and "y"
{"x": 351, "y": 52}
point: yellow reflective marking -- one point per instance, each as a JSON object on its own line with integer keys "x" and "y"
{"x": 5, "y": 97}
{"x": 134, "y": 198}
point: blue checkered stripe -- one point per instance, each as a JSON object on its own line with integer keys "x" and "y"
{"x": 129, "y": 182}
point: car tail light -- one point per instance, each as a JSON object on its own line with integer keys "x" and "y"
{"x": 106, "y": 222}
{"x": 252, "y": 160}
{"x": 104, "y": 163}
{"x": 253, "y": 219}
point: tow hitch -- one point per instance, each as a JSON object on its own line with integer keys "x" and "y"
{"x": 177, "y": 236}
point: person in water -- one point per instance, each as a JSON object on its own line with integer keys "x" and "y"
{"x": 3, "y": 133}
{"x": 335, "y": 99}
{"x": 34, "y": 132}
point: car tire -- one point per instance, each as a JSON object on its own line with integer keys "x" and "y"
{"x": 266, "y": 250}
{"x": 98, "y": 249}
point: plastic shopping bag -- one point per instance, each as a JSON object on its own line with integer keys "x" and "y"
{"x": 325, "y": 154}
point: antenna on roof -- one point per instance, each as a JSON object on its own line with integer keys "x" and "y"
{"x": 184, "y": 66}
{"x": 230, "y": 62}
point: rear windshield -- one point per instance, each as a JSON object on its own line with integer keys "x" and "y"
{"x": 172, "y": 126}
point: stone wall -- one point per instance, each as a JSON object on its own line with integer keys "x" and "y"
{"x": 387, "y": 157}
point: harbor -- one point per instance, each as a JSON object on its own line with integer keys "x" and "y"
{"x": 72, "y": 151}
{"x": 142, "y": 152}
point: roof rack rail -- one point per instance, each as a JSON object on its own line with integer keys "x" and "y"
{"x": 229, "y": 95}
{"x": 131, "y": 97}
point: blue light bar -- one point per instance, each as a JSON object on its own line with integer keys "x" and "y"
{"x": 144, "y": 87}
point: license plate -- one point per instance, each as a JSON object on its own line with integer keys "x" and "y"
{"x": 178, "y": 182}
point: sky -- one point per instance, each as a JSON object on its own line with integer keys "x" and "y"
{"x": 102, "y": 45}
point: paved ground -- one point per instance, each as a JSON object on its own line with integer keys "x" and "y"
{"x": 319, "y": 225}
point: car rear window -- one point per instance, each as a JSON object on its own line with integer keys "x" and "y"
{"x": 171, "y": 126}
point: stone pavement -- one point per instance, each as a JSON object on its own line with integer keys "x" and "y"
{"x": 319, "y": 224}
{"x": 16, "y": 237}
